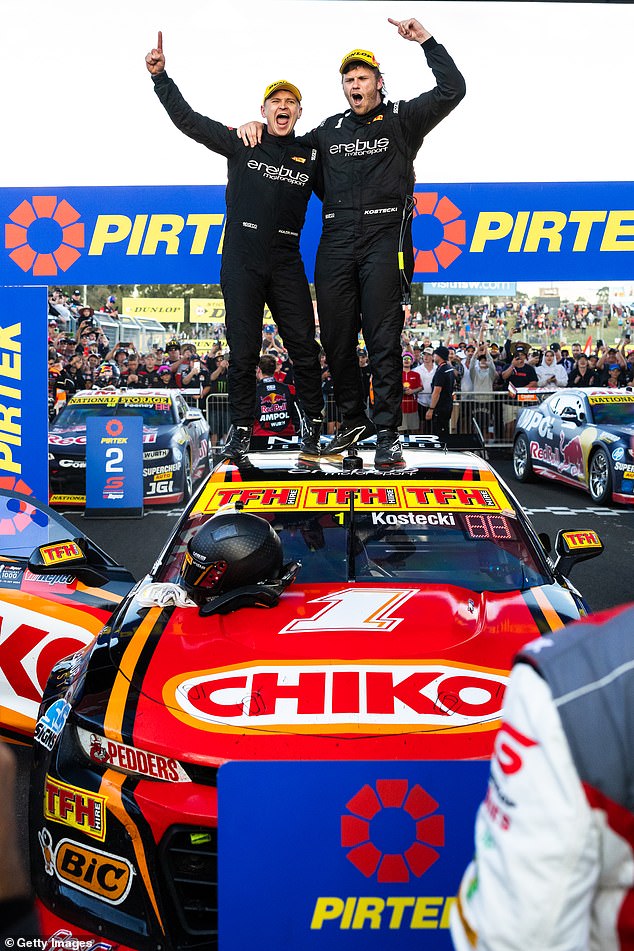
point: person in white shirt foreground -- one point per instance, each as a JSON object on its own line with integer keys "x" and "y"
{"x": 554, "y": 862}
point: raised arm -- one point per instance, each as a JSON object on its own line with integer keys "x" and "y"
{"x": 155, "y": 60}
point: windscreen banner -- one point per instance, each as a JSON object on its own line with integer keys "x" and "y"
{"x": 558, "y": 231}
{"x": 23, "y": 391}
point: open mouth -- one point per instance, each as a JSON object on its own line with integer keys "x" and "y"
{"x": 283, "y": 118}
{"x": 357, "y": 98}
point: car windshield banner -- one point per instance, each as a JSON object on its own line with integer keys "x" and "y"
{"x": 23, "y": 392}
{"x": 474, "y": 233}
{"x": 114, "y": 465}
{"x": 354, "y": 855}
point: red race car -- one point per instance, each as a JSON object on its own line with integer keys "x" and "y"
{"x": 292, "y": 610}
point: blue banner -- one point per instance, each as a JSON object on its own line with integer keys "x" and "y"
{"x": 23, "y": 390}
{"x": 465, "y": 232}
{"x": 343, "y": 855}
{"x": 114, "y": 464}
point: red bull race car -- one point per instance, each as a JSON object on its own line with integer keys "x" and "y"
{"x": 322, "y": 616}
{"x": 583, "y": 437}
{"x": 175, "y": 444}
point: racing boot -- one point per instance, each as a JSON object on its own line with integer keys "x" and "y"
{"x": 350, "y": 433}
{"x": 389, "y": 454}
{"x": 237, "y": 445}
{"x": 311, "y": 433}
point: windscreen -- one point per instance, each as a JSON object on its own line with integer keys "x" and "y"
{"x": 482, "y": 552}
{"x": 24, "y": 527}
{"x": 154, "y": 412}
{"x": 611, "y": 411}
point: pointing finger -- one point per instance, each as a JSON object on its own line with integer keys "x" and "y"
{"x": 159, "y": 44}
{"x": 393, "y": 22}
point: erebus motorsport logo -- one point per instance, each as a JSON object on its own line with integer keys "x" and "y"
{"x": 44, "y": 235}
{"x": 361, "y": 147}
{"x": 438, "y": 232}
{"x": 279, "y": 173}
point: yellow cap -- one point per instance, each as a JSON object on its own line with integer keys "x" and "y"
{"x": 282, "y": 84}
{"x": 361, "y": 56}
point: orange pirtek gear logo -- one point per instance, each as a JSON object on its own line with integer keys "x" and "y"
{"x": 392, "y": 831}
{"x": 437, "y": 232}
{"x": 44, "y": 235}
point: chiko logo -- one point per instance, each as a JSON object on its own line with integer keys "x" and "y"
{"x": 44, "y": 235}
{"x": 392, "y": 831}
{"x": 437, "y": 232}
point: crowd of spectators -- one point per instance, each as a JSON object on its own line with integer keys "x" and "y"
{"x": 84, "y": 358}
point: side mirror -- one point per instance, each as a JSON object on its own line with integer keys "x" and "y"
{"x": 574, "y": 547}
{"x": 66, "y": 556}
{"x": 193, "y": 415}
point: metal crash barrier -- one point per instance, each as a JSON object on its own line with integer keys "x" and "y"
{"x": 495, "y": 413}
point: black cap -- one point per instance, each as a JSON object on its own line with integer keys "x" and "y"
{"x": 442, "y": 352}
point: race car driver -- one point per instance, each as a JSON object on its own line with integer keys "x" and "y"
{"x": 365, "y": 258}
{"x": 267, "y": 193}
{"x": 554, "y": 864}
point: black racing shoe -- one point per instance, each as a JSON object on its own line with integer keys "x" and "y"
{"x": 389, "y": 454}
{"x": 349, "y": 434}
{"x": 237, "y": 444}
{"x": 311, "y": 434}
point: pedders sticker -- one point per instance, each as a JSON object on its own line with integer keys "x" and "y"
{"x": 313, "y": 697}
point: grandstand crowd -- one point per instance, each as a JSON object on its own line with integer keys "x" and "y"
{"x": 493, "y": 350}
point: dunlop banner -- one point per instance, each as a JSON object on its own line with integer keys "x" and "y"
{"x": 171, "y": 310}
{"x": 558, "y": 231}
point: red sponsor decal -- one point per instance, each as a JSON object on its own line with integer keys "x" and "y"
{"x": 509, "y": 747}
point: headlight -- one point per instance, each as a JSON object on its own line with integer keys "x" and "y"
{"x": 130, "y": 759}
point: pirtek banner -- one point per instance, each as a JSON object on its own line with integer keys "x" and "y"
{"x": 465, "y": 232}
{"x": 23, "y": 391}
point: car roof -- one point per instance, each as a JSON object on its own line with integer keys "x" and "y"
{"x": 278, "y": 482}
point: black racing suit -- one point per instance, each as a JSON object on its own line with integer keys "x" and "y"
{"x": 268, "y": 189}
{"x": 367, "y": 164}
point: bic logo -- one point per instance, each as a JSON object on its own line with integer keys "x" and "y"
{"x": 437, "y": 232}
{"x": 44, "y": 235}
{"x": 392, "y": 830}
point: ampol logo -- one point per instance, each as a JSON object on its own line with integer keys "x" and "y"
{"x": 392, "y": 830}
{"x": 437, "y": 232}
{"x": 44, "y": 234}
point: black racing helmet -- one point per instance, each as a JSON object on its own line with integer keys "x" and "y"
{"x": 230, "y": 550}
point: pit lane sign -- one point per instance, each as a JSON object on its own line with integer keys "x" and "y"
{"x": 114, "y": 465}
{"x": 366, "y": 855}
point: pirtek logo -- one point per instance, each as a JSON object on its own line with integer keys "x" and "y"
{"x": 399, "y": 696}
